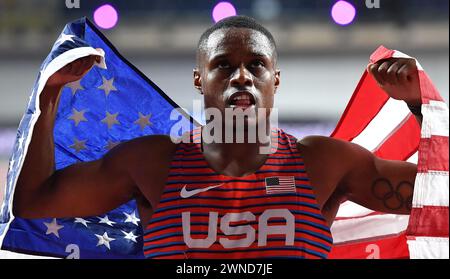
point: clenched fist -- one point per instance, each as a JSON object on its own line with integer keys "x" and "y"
{"x": 72, "y": 71}
{"x": 399, "y": 78}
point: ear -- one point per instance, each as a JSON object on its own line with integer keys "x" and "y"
{"x": 198, "y": 80}
{"x": 277, "y": 79}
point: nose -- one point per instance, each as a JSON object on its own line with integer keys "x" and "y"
{"x": 241, "y": 77}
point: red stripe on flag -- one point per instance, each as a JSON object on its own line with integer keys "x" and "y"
{"x": 396, "y": 147}
{"x": 428, "y": 90}
{"x": 437, "y": 146}
{"x": 429, "y": 221}
{"x": 385, "y": 247}
{"x": 367, "y": 100}
{"x": 375, "y": 213}
{"x": 381, "y": 53}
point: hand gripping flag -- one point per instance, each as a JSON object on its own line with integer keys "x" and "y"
{"x": 387, "y": 128}
{"x": 113, "y": 103}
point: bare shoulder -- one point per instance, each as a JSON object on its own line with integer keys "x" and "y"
{"x": 146, "y": 159}
{"x": 146, "y": 146}
{"x": 313, "y": 140}
{"x": 331, "y": 158}
{"x": 322, "y": 152}
{"x": 321, "y": 145}
{"x": 327, "y": 160}
{"x": 336, "y": 154}
{"x": 151, "y": 141}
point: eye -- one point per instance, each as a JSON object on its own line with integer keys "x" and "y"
{"x": 257, "y": 64}
{"x": 223, "y": 64}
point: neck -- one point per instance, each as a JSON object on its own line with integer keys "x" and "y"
{"x": 237, "y": 158}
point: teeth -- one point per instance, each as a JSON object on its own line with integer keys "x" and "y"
{"x": 242, "y": 97}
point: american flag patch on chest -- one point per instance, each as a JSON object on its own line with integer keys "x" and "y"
{"x": 280, "y": 184}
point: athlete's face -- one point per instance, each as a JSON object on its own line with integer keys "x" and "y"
{"x": 237, "y": 69}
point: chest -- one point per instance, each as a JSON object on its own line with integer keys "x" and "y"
{"x": 214, "y": 214}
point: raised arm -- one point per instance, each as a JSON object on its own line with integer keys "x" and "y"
{"x": 83, "y": 189}
{"x": 355, "y": 173}
{"x": 385, "y": 185}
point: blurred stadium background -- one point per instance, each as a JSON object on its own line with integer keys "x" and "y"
{"x": 320, "y": 60}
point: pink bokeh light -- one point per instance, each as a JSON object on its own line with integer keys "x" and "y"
{"x": 106, "y": 16}
{"x": 223, "y": 10}
{"x": 343, "y": 13}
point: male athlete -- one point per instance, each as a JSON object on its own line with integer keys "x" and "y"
{"x": 223, "y": 200}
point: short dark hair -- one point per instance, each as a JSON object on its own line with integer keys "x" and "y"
{"x": 239, "y": 21}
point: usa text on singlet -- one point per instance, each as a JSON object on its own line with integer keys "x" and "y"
{"x": 269, "y": 214}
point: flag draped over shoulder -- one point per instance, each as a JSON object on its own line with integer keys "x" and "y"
{"x": 387, "y": 128}
{"x": 113, "y": 103}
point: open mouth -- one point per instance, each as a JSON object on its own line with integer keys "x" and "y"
{"x": 242, "y": 99}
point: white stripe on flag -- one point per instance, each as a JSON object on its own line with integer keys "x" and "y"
{"x": 280, "y": 187}
{"x": 368, "y": 227}
{"x": 399, "y": 54}
{"x": 350, "y": 209}
{"x": 431, "y": 189}
{"x": 280, "y": 191}
{"x": 12, "y": 255}
{"x": 414, "y": 158}
{"x": 428, "y": 248}
{"x": 435, "y": 119}
{"x": 383, "y": 124}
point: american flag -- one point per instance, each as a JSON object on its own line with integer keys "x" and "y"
{"x": 387, "y": 128}
{"x": 280, "y": 184}
{"x": 119, "y": 103}
{"x": 113, "y": 103}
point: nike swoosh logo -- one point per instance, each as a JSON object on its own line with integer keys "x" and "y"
{"x": 186, "y": 194}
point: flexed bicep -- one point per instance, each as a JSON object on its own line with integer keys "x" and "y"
{"x": 395, "y": 196}
{"x": 82, "y": 189}
{"x": 136, "y": 168}
{"x": 378, "y": 184}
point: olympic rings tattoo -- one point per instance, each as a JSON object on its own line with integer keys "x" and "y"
{"x": 383, "y": 190}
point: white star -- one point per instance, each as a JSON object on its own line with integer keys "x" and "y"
{"x": 11, "y": 164}
{"x": 104, "y": 240}
{"x": 82, "y": 221}
{"x": 105, "y": 220}
{"x": 75, "y": 86}
{"x": 77, "y": 116}
{"x": 53, "y": 227}
{"x": 21, "y": 139}
{"x": 131, "y": 218}
{"x": 64, "y": 37}
{"x": 20, "y": 142}
{"x": 78, "y": 145}
{"x": 111, "y": 119}
{"x": 143, "y": 120}
{"x": 107, "y": 86}
{"x": 130, "y": 236}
